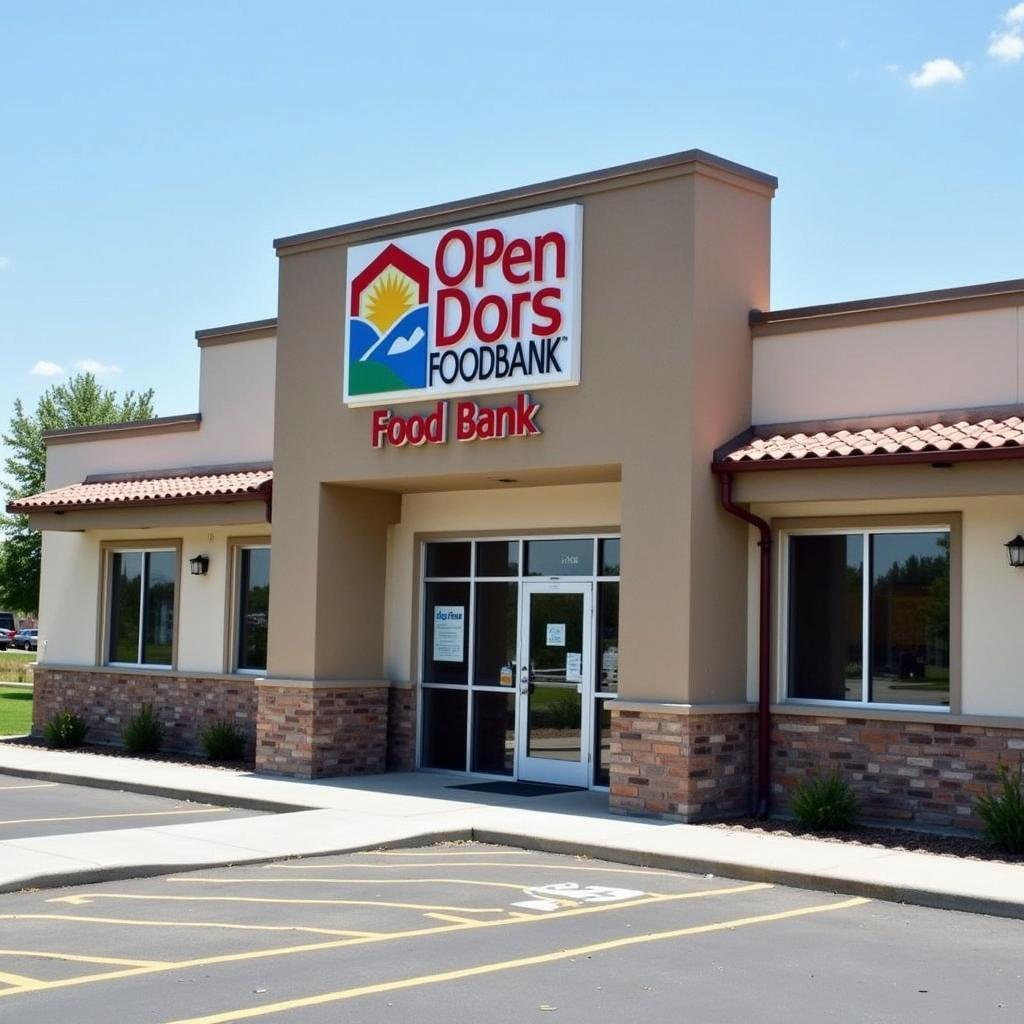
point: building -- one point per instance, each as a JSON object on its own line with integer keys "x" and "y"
{"x": 550, "y": 495}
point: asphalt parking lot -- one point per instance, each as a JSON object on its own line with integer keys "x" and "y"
{"x": 466, "y": 932}
{"x": 29, "y": 807}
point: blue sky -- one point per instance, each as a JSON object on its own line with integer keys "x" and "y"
{"x": 151, "y": 152}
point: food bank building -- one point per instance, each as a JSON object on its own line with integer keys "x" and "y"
{"x": 534, "y": 486}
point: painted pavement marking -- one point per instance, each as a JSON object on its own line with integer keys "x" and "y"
{"x": 100, "y": 817}
{"x": 135, "y": 922}
{"x": 505, "y": 921}
{"x": 505, "y": 965}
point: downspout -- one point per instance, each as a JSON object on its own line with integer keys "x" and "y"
{"x": 764, "y": 790}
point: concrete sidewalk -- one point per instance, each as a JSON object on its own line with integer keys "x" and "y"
{"x": 342, "y": 815}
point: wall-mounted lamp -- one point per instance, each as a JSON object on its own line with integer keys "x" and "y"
{"x": 1015, "y": 551}
{"x": 199, "y": 564}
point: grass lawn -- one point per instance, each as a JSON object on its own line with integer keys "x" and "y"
{"x": 15, "y": 710}
{"x": 14, "y": 666}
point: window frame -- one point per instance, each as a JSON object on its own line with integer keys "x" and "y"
{"x": 233, "y": 604}
{"x": 470, "y": 687}
{"x": 867, "y": 526}
{"x": 108, "y": 549}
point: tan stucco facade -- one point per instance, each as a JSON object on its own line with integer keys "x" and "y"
{"x": 672, "y": 260}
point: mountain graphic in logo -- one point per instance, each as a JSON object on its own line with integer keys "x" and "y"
{"x": 388, "y": 325}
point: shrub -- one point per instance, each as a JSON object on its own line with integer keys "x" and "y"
{"x": 143, "y": 733}
{"x": 1003, "y": 811}
{"x": 223, "y": 741}
{"x": 65, "y": 729}
{"x": 825, "y": 802}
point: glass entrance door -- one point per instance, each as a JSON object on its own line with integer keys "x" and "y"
{"x": 555, "y": 683}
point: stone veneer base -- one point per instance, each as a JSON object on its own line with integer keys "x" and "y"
{"x": 184, "y": 704}
{"x": 686, "y": 767}
{"x": 310, "y": 733}
{"x": 908, "y": 773}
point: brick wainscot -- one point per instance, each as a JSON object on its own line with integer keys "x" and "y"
{"x": 313, "y": 731}
{"x": 107, "y": 699}
{"x": 916, "y": 773}
{"x": 680, "y": 761}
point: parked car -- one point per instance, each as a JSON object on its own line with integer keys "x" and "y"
{"x": 6, "y": 638}
{"x": 26, "y": 639}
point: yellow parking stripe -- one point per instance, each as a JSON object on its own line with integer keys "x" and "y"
{"x": 102, "y": 817}
{"x": 20, "y": 980}
{"x": 32, "y": 785}
{"x": 135, "y": 922}
{"x": 350, "y": 881}
{"x": 475, "y": 864}
{"x": 81, "y": 900}
{"x": 506, "y": 965}
{"x": 80, "y": 958}
{"x": 386, "y": 937}
{"x": 451, "y": 917}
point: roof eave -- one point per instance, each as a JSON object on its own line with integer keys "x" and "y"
{"x": 932, "y": 458}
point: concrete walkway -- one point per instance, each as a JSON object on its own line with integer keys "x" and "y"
{"x": 342, "y": 815}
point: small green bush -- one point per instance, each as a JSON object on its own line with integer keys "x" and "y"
{"x": 1003, "y": 811}
{"x": 65, "y": 729}
{"x": 143, "y": 733}
{"x": 223, "y": 741}
{"x": 825, "y": 802}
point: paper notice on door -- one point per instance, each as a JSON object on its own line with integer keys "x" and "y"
{"x": 574, "y": 668}
{"x": 556, "y": 634}
{"x": 505, "y": 676}
{"x": 449, "y": 632}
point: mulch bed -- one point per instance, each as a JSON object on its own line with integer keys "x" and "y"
{"x": 162, "y": 756}
{"x": 964, "y": 846}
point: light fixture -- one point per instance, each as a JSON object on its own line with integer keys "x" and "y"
{"x": 1015, "y": 551}
{"x": 201, "y": 563}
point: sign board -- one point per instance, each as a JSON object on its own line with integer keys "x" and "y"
{"x": 555, "y": 634}
{"x": 449, "y": 632}
{"x": 485, "y": 307}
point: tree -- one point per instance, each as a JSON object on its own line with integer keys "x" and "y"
{"x": 80, "y": 402}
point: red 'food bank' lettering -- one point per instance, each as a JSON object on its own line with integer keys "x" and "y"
{"x": 486, "y": 255}
{"x": 472, "y": 423}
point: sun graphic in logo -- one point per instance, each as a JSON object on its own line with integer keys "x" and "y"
{"x": 390, "y": 297}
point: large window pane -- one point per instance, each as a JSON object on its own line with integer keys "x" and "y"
{"x": 494, "y": 732}
{"x": 560, "y": 558}
{"x": 253, "y": 607}
{"x": 497, "y": 558}
{"x": 446, "y": 633}
{"x": 825, "y": 647}
{"x": 125, "y": 606}
{"x": 910, "y": 618}
{"x": 610, "y": 559}
{"x": 608, "y": 637}
{"x": 448, "y": 559}
{"x": 158, "y": 608}
{"x": 444, "y": 729}
{"x": 497, "y": 616}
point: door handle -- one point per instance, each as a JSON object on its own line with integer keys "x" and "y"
{"x": 524, "y": 681}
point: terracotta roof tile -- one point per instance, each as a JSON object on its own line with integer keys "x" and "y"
{"x": 963, "y": 435}
{"x": 155, "y": 489}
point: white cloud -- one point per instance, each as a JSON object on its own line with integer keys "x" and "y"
{"x": 932, "y": 72}
{"x": 94, "y": 366}
{"x": 5, "y": 263}
{"x": 1008, "y": 45}
{"x": 44, "y": 368}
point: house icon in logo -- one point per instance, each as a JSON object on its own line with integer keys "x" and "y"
{"x": 388, "y": 324}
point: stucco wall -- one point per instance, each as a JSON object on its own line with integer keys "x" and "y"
{"x": 584, "y": 506}
{"x": 69, "y": 599}
{"x": 992, "y": 595}
{"x": 955, "y": 361}
{"x": 236, "y": 399}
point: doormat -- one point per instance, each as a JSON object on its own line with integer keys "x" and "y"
{"x": 517, "y": 788}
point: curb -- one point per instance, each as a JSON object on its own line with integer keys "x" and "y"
{"x": 245, "y": 803}
{"x": 745, "y": 872}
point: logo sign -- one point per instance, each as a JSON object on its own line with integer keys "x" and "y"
{"x": 486, "y": 307}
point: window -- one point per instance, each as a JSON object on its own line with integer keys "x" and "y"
{"x": 470, "y": 644}
{"x": 253, "y": 608}
{"x": 141, "y": 608}
{"x": 867, "y": 617}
